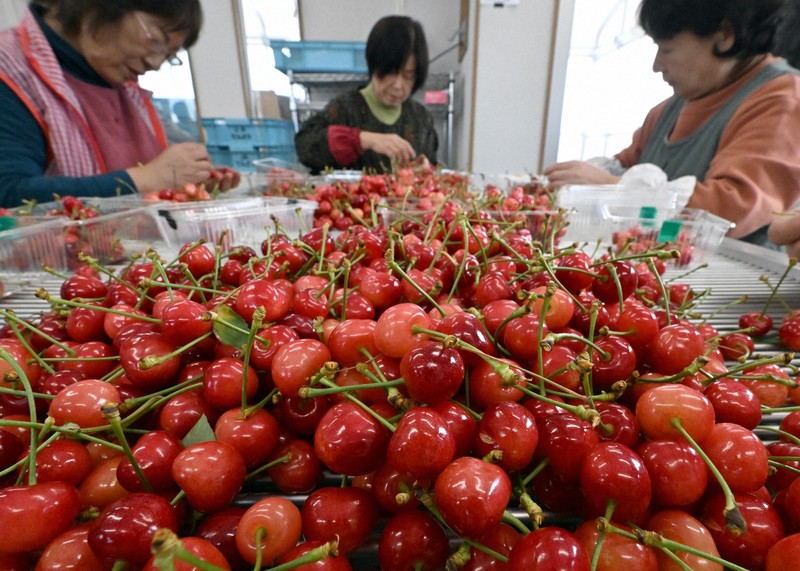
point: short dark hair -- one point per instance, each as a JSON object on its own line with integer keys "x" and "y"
{"x": 391, "y": 42}
{"x": 180, "y": 15}
{"x": 753, "y": 22}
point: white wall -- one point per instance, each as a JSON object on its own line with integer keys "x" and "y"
{"x": 221, "y": 87}
{"x": 513, "y": 56}
{"x": 11, "y": 12}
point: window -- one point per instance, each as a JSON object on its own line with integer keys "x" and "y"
{"x": 610, "y": 85}
{"x": 265, "y": 20}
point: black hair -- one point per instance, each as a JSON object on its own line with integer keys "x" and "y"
{"x": 391, "y": 42}
{"x": 787, "y": 39}
{"x": 753, "y": 22}
{"x": 180, "y": 15}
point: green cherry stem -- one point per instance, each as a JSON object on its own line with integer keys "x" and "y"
{"x": 166, "y": 547}
{"x": 111, "y": 414}
{"x": 733, "y": 517}
{"x": 23, "y": 378}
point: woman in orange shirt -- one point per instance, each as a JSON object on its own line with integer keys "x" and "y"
{"x": 733, "y": 121}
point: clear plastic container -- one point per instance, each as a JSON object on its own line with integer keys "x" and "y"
{"x": 242, "y": 221}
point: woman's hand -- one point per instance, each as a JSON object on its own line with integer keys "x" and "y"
{"x": 577, "y": 172}
{"x": 785, "y": 231}
{"x": 179, "y": 164}
{"x": 393, "y": 146}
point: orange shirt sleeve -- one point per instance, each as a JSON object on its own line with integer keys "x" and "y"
{"x": 756, "y": 170}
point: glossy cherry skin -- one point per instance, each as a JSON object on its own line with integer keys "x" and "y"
{"x": 393, "y": 330}
{"x": 764, "y": 529}
{"x": 422, "y": 443}
{"x": 282, "y": 523}
{"x": 36, "y": 514}
{"x": 616, "y": 551}
{"x": 210, "y": 473}
{"x": 81, "y": 402}
{"x": 432, "y": 372}
{"x": 69, "y": 551}
{"x": 739, "y": 455}
{"x": 674, "y": 348}
{"x": 734, "y": 402}
{"x": 199, "y": 548}
{"x": 657, "y": 408}
{"x": 154, "y": 452}
{"x": 677, "y": 472}
{"x": 301, "y": 470}
{"x": 224, "y": 381}
{"x": 683, "y": 528}
{"x": 351, "y": 341}
{"x": 469, "y": 329}
{"x": 254, "y": 436}
{"x": 219, "y": 529}
{"x": 296, "y": 361}
{"x": 412, "y": 540}
{"x": 617, "y": 364}
{"x": 549, "y": 549}
{"x": 566, "y": 441}
{"x": 124, "y": 529}
{"x": 347, "y": 514}
{"x": 510, "y": 429}
{"x": 613, "y": 472}
{"x": 614, "y": 282}
{"x": 350, "y": 441}
{"x": 152, "y": 346}
{"x": 337, "y": 562}
{"x": 500, "y": 539}
{"x": 472, "y": 495}
{"x": 784, "y": 555}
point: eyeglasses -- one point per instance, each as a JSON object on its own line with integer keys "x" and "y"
{"x": 158, "y": 44}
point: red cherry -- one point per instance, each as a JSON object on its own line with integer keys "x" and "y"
{"x": 616, "y": 551}
{"x": 757, "y": 323}
{"x": 210, "y": 473}
{"x": 681, "y": 527}
{"x": 508, "y": 428}
{"x": 224, "y": 381}
{"x": 739, "y": 455}
{"x": 614, "y": 473}
{"x": 337, "y": 562}
{"x": 432, "y": 372}
{"x": 566, "y": 441}
{"x": 37, "y": 514}
{"x": 350, "y": 441}
{"x": 296, "y": 361}
{"x": 81, "y": 402}
{"x": 784, "y": 555}
{"x": 472, "y": 495}
{"x": 154, "y": 453}
{"x": 393, "y": 329}
{"x": 764, "y": 529}
{"x": 280, "y": 524}
{"x": 734, "y": 402}
{"x": 254, "y": 435}
{"x": 124, "y": 530}
{"x": 70, "y": 550}
{"x": 677, "y": 472}
{"x": 300, "y": 470}
{"x": 421, "y": 444}
{"x": 346, "y": 514}
{"x": 201, "y": 549}
{"x": 412, "y": 540}
{"x": 657, "y": 408}
{"x": 674, "y": 348}
{"x": 549, "y": 549}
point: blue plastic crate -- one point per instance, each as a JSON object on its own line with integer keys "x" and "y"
{"x": 242, "y": 159}
{"x": 319, "y": 57}
{"x": 244, "y": 134}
